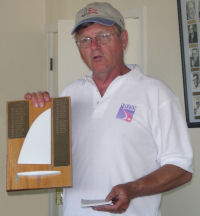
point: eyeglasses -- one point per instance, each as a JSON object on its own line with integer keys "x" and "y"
{"x": 100, "y": 39}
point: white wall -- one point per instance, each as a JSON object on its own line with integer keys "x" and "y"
{"x": 163, "y": 62}
{"x": 23, "y": 68}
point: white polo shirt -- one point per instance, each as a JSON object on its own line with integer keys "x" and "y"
{"x": 135, "y": 128}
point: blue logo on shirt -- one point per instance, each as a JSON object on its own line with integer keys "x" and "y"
{"x": 126, "y": 112}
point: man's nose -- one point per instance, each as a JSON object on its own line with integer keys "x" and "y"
{"x": 94, "y": 43}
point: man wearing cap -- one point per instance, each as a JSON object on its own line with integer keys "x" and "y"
{"x": 129, "y": 138}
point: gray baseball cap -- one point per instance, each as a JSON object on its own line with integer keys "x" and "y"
{"x": 99, "y": 12}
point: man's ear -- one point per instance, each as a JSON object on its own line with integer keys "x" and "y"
{"x": 124, "y": 37}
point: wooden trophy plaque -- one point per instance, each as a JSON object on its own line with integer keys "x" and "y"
{"x": 38, "y": 145}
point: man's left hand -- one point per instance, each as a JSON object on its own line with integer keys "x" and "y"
{"x": 120, "y": 197}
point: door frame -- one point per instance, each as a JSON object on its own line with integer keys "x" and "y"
{"x": 140, "y": 13}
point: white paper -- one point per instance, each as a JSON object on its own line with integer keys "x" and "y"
{"x": 36, "y": 148}
{"x": 93, "y": 203}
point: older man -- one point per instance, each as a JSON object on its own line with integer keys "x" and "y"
{"x": 191, "y": 11}
{"x": 129, "y": 138}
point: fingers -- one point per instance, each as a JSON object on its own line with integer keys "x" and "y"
{"x": 119, "y": 206}
{"x": 46, "y": 96}
{"x": 28, "y": 96}
{"x": 111, "y": 196}
{"x": 120, "y": 198}
{"x": 115, "y": 208}
{"x": 38, "y": 98}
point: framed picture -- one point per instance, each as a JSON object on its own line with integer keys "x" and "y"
{"x": 189, "y": 26}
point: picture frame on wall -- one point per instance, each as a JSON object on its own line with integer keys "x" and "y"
{"x": 189, "y": 29}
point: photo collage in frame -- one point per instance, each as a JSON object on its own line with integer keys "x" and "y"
{"x": 189, "y": 20}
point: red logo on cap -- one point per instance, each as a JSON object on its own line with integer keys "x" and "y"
{"x": 92, "y": 11}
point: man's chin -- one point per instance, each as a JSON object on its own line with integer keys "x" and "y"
{"x": 99, "y": 69}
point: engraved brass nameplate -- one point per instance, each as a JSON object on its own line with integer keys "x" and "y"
{"x": 18, "y": 119}
{"x": 61, "y": 131}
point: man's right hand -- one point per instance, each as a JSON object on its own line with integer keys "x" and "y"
{"x": 38, "y": 98}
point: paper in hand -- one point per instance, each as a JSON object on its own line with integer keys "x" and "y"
{"x": 93, "y": 203}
